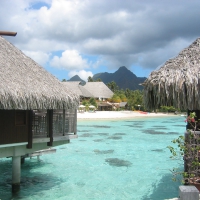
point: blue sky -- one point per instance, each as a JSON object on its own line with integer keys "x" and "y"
{"x": 85, "y": 37}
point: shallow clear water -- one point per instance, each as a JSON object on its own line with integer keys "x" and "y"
{"x": 111, "y": 160}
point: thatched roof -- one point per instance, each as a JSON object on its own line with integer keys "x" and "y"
{"x": 77, "y": 88}
{"x": 104, "y": 104}
{"x": 122, "y": 104}
{"x": 98, "y": 89}
{"x": 26, "y": 85}
{"x": 177, "y": 82}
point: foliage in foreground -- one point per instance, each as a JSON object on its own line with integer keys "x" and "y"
{"x": 188, "y": 149}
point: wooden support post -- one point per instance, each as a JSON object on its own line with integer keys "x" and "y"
{"x": 16, "y": 173}
{"x": 50, "y": 127}
{"x": 63, "y": 122}
{"x": 8, "y": 33}
{"x": 22, "y": 160}
{"x": 75, "y": 122}
{"x": 30, "y": 132}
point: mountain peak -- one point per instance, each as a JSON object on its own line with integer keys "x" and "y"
{"x": 123, "y": 71}
{"x": 122, "y": 68}
{"x": 123, "y": 77}
{"x": 77, "y": 78}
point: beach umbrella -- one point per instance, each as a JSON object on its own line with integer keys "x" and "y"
{"x": 177, "y": 82}
{"x": 81, "y": 106}
{"x": 91, "y": 106}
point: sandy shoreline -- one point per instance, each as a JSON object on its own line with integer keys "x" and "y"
{"x": 117, "y": 115}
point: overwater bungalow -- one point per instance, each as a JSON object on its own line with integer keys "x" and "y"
{"x": 177, "y": 83}
{"x": 36, "y": 110}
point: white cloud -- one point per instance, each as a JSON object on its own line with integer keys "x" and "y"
{"x": 38, "y": 56}
{"x": 82, "y": 74}
{"x": 70, "y": 59}
{"x": 120, "y": 33}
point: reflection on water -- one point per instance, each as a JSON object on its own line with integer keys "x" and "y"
{"x": 118, "y": 162}
{"x": 86, "y": 135}
{"x": 98, "y": 140}
{"x": 97, "y": 151}
{"x": 153, "y": 132}
{"x": 115, "y": 137}
{"x": 119, "y": 134}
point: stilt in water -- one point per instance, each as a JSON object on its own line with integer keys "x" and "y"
{"x": 16, "y": 173}
{"x": 22, "y": 160}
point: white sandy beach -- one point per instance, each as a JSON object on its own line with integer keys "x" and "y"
{"x": 117, "y": 115}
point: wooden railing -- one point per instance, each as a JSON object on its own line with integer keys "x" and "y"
{"x": 39, "y": 123}
{"x": 64, "y": 123}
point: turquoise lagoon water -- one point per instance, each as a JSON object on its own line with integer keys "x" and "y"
{"x": 111, "y": 160}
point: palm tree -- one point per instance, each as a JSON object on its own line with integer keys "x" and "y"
{"x": 113, "y": 86}
{"x": 98, "y": 80}
{"x": 64, "y": 80}
{"x": 90, "y": 79}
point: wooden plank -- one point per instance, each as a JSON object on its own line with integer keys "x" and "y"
{"x": 75, "y": 122}
{"x": 50, "y": 127}
{"x": 63, "y": 122}
{"x": 41, "y": 152}
{"x": 30, "y": 133}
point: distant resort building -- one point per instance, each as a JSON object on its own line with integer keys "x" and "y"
{"x": 97, "y": 90}
{"x": 36, "y": 110}
{"x": 123, "y": 105}
{"x": 80, "y": 90}
{"x": 101, "y": 93}
{"x": 104, "y": 106}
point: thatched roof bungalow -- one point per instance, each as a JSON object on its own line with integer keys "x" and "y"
{"x": 104, "y": 106}
{"x": 98, "y": 90}
{"x": 177, "y": 82}
{"x": 27, "y": 91}
{"x": 76, "y": 87}
{"x": 36, "y": 109}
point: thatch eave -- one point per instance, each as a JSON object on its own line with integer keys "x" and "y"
{"x": 26, "y": 85}
{"x": 177, "y": 82}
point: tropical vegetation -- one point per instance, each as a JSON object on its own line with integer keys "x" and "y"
{"x": 134, "y": 98}
{"x": 89, "y": 102}
{"x": 188, "y": 149}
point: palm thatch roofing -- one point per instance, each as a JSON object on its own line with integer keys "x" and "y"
{"x": 104, "y": 104}
{"x": 26, "y": 85}
{"x": 98, "y": 89}
{"x": 76, "y": 87}
{"x": 177, "y": 82}
{"x": 122, "y": 104}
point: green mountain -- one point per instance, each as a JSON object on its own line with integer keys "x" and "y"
{"x": 77, "y": 78}
{"x": 123, "y": 77}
